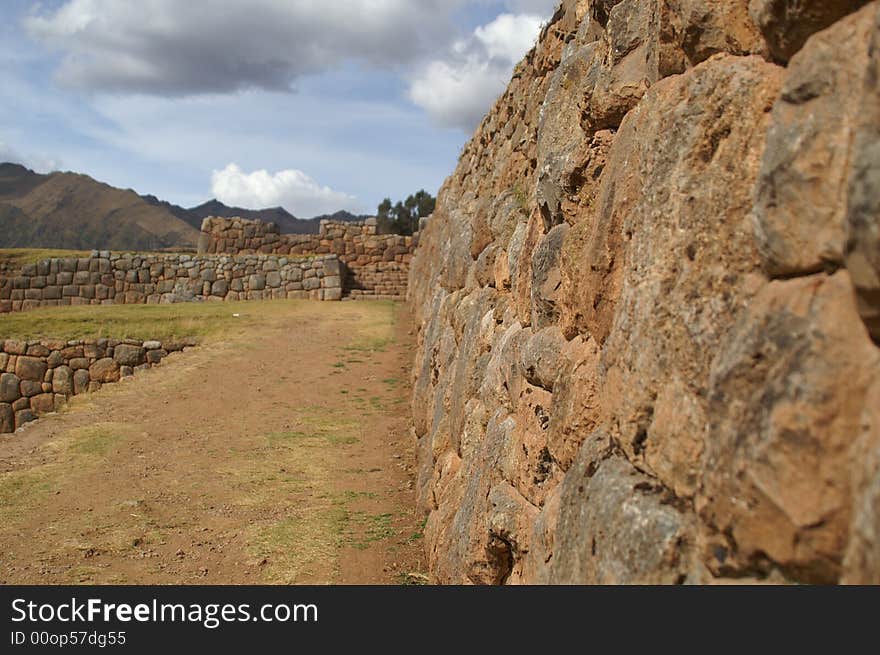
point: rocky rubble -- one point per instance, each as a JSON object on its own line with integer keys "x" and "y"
{"x": 648, "y": 305}
{"x": 38, "y": 377}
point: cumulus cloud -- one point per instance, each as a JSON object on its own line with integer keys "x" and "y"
{"x": 458, "y": 90}
{"x": 168, "y": 47}
{"x": 36, "y": 163}
{"x": 292, "y": 189}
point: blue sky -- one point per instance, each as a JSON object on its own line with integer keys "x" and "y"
{"x": 315, "y": 106}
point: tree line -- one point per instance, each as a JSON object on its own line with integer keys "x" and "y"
{"x": 403, "y": 217}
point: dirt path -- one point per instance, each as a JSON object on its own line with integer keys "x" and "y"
{"x": 278, "y": 456}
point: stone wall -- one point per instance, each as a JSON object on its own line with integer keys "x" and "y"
{"x": 113, "y": 278}
{"x": 377, "y": 265}
{"x": 645, "y": 305}
{"x": 38, "y": 377}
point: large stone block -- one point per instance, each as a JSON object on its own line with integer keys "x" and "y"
{"x": 788, "y": 390}
{"x": 863, "y": 256}
{"x": 31, "y": 368}
{"x": 547, "y": 278}
{"x": 7, "y": 419}
{"x": 104, "y": 370}
{"x": 62, "y": 380}
{"x": 23, "y": 417}
{"x": 126, "y": 355}
{"x": 616, "y": 525}
{"x": 10, "y": 387}
{"x": 800, "y": 208}
{"x": 787, "y": 24}
{"x": 81, "y": 381}
{"x": 43, "y": 404}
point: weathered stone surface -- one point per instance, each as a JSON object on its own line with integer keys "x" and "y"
{"x": 862, "y": 563}
{"x": 704, "y": 422}
{"x": 23, "y": 417}
{"x": 547, "y": 278}
{"x": 800, "y": 221}
{"x": 127, "y": 355}
{"x": 575, "y": 410}
{"x": 9, "y": 388}
{"x": 637, "y": 213}
{"x": 81, "y": 381}
{"x": 220, "y": 288}
{"x": 15, "y": 347}
{"x": 62, "y": 380}
{"x": 54, "y": 359}
{"x": 863, "y": 255}
{"x": 616, "y": 526}
{"x": 787, "y": 395}
{"x": 30, "y": 368}
{"x": 273, "y": 279}
{"x": 78, "y": 362}
{"x": 539, "y": 357}
{"x": 104, "y": 370}
{"x": 787, "y": 24}
{"x": 43, "y": 404}
{"x": 30, "y": 388}
{"x": 7, "y": 418}
{"x": 156, "y": 356}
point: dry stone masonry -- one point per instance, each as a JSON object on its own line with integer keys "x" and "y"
{"x": 38, "y": 377}
{"x": 114, "y": 278}
{"x": 376, "y": 265}
{"x": 649, "y": 304}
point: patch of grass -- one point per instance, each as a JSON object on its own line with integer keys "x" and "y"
{"x": 376, "y": 332}
{"x": 19, "y": 489}
{"x": 200, "y": 320}
{"x": 21, "y": 256}
{"x": 294, "y": 545}
{"x": 414, "y": 578}
{"x": 96, "y": 439}
{"x": 300, "y": 438}
{"x": 363, "y": 529}
{"x": 349, "y": 495}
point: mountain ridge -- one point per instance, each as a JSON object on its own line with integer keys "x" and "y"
{"x": 75, "y": 211}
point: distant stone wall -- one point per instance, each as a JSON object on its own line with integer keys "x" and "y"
{"x": 112, "y": 278}
{"x": 377, "y": 264}
{"x": 38, "y": 377}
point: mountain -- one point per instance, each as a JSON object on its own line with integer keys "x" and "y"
{"x": 68, "y": 210}
{"x": 287, "y": 222}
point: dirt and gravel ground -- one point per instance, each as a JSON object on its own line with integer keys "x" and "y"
{"x": 278, "y": 455}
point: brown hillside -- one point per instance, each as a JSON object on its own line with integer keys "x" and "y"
{"x": 67, "y": 210}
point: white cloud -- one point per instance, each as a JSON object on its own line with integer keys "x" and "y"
{"x": 457, "y": 91}
{"x": 458, "y": 94}
{"x": 168, "y": 47}
{"x": 292, "y": 189}
{"x": 509, "y": 37}
{"x": 36, "y": 163}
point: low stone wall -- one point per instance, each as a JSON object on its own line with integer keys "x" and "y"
{"x": 378, "y": 264}
{"x": 38, "y": 377}
{"x": 112, "y": 278}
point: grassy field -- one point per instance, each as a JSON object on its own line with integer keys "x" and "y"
{"x": 207, "y": 321}
{"x": 20, "y": 256}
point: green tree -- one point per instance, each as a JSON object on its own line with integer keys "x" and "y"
{"x": 385, "y": 208}
{"x": 405, "y": 215}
